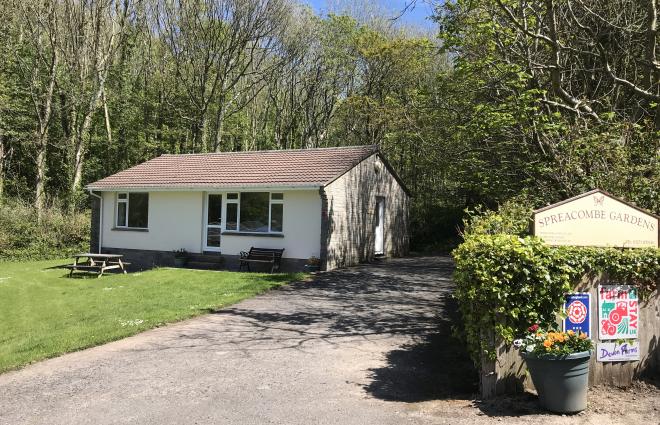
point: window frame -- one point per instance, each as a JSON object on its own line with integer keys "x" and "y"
{"x": 127, "y": 202}
{"x": 237, "y": 201}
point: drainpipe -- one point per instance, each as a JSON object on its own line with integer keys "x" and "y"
{"x": 91, "y": 192}
{"x": 325, "y": 229}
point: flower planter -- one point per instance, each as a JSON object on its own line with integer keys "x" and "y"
{"x": 561, "y": 382}
{"x": 180, "y": 262}
{"x": 310, "y": 268}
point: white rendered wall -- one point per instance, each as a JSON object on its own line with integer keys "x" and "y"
{"x": 176, "y": 221}
{"x": 301, "y": 229}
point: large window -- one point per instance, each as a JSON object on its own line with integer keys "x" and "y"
{"x": 257, "y": 212}
{"x": 133, "y": 210}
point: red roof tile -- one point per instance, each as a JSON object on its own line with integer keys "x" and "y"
{"x": 299, "y": 167}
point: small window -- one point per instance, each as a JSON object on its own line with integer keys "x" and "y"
{"x": 232, "y": 212}
{"x": 121, "y": 213}
{"x": 133, "y": 210}
{"x": 232, "y": 216}
{"x": 276, "y": 215}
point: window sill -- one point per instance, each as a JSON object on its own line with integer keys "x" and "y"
{"x": 130, "y": 229}
{"x": 258, "y": 234}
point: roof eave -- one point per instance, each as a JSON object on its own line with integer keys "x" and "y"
{"x": 199, "y": 188}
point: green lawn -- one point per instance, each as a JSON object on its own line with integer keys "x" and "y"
{"x": 43, "y": 313}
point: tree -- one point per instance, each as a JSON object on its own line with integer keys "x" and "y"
{"x": 215, "y": 45}
{"x": 37, "y": 61}
{"x": 90, "y": 36}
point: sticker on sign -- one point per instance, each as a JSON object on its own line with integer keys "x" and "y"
{"x": 614, "y": 352}
{"x": 577, "y": 308}
{"x": 618, "y": 312}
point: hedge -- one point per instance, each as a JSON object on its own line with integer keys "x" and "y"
{"x": 507, "y": 280}
{"x": 58, "y": 234}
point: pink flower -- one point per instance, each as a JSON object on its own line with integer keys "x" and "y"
{"x": 533, "y": 328}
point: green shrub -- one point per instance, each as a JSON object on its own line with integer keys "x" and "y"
{"x": 23, "y": 236}
{"x": 506, "y": 281}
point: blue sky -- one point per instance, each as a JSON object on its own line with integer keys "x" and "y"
{"x": 416, "y": 15}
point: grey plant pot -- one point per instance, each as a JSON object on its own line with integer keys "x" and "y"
{"x": 180, "y": 261}
{"x": 561, "y": 382}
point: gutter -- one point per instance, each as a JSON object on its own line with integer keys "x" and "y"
{"x": 91, "y": 192}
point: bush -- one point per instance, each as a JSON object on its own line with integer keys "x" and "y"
{"x": 507, "y": 281}
{"x": 58, "y": 234}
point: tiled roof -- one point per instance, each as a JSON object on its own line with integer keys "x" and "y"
{"x": 299, "y": 167}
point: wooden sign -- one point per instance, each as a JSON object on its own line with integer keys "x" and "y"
{"x": 596, "y": 218}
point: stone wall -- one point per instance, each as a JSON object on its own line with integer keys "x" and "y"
{"x": 349, "y": 219}
{"x": 142, "y": 259}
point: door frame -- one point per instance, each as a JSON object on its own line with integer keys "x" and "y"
{"x": 380, "y": 214}
{"x": 205, "y": 224}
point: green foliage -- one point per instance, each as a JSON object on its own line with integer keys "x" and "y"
{"x": 507, "y": 281}
{"x": 513, "y": 217}
{"x": 57, "y": 235}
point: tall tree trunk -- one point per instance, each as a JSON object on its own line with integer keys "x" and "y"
{"x": 42, "y": 140}
{"x": 2, "y": 164}
{"x": 652, "y": 72}
{"x": 106, "y": 114}
{"x": 80, "y": 137}
{"x": 219, "y": 128}
{"x": 203, "y": 134}
{"x": 78, "y": 155}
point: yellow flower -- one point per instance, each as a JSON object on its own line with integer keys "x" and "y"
{"x": 583, "y": 336}
{"x": 547, "y": 343}
{"x": 571, "y": 333}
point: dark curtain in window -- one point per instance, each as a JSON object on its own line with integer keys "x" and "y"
{"x": 138, "y": 210}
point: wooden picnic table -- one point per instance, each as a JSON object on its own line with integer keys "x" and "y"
{"x": 98, "y": 263}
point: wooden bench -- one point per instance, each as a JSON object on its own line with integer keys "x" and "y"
{"x": 261, "y": 256}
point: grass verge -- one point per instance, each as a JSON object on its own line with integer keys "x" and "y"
{"x": 43, "y": 313}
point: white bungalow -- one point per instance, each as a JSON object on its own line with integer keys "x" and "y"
{"x": 341, "y": 205}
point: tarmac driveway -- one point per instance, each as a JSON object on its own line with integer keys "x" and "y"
{"x": 364, "y": 345}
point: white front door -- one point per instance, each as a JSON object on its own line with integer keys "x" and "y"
{"x": 380, "y": 226}
{"x": 212, "y": 222}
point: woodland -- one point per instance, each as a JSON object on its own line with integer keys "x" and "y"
{"x": 525, "y": 100}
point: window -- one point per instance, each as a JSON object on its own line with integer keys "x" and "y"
{"x": 254, "y": 211}
{"x": 257, "y": 212}
{"x": 232, "y": 212}
{"x": 133, "y": 210}
{"x": 276, "y": 211}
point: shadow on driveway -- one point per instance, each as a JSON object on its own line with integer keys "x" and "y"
{"x": 396, "y": 298}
